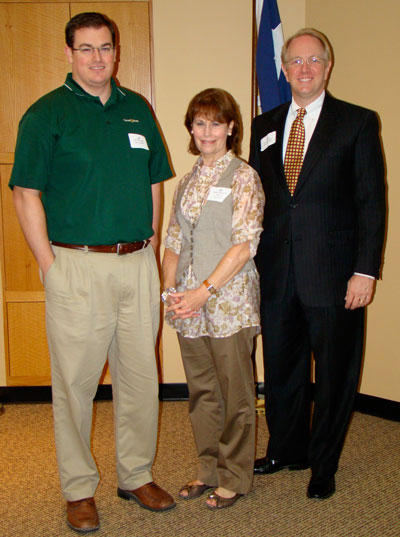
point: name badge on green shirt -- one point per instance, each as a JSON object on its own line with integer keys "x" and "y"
{"x": 137, "y": 141}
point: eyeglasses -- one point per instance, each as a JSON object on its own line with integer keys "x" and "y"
{"x": 312, "y": 61}
{"x": 89, "y": 51}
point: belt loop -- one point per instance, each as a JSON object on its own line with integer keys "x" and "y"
{"x": 86, "y": 250}
{"x": 145, "y": 243}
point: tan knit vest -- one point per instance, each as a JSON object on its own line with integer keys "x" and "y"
{"x": 206, "y": 242}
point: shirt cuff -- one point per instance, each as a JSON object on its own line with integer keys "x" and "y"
{"x": 366, "y": 275}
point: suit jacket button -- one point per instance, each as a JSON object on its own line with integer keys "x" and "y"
{"x": 293, "y": 205}
{"x": 286, "y": 241}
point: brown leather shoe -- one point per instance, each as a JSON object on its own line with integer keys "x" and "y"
{"x": 82, "y": 515}
{"x": 150, "y": 496}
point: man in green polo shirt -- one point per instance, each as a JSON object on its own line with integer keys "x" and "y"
{"x": 86, "y": 181}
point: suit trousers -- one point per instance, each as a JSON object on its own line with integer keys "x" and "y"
{"x": 291, "y": 332}
{"x": 100, "y": 304}
{"x": 220, "y": 378}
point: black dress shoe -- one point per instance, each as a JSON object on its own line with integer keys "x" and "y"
{"x": 270, "y": 466}
{"x": 321, "y": 487}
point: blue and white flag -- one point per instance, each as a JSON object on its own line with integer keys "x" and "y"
{"x": 272, "y": 86}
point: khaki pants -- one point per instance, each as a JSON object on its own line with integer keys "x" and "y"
{"x": 220, "y": 378}
{"x": 97, "y": 305}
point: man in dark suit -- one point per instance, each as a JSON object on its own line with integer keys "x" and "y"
{"x": 318, "y": 259}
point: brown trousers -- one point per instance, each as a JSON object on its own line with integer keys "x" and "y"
{"x": 220, "y": 378}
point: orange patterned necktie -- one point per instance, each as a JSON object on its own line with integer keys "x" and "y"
{"x": 294, "y": 151}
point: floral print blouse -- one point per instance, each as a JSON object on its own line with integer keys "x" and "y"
{"x": 236, "y": 304}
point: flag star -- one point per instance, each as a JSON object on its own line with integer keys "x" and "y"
{"x": 277, "y": 38}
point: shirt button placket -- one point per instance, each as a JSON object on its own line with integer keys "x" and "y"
{"x": 191, "y": 246}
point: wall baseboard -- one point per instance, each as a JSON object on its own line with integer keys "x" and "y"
{"x": 376, "y": 406}
{"x": 367, "y": 404}
{"x": 42, "y": 394}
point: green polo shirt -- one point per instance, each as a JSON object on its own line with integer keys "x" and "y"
{"x": 93, "y": 163}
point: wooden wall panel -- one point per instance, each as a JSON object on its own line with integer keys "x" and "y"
{"x": 21, "y": 269}
{"x": 33, "y": 60}
{"x": 27, "y": 343}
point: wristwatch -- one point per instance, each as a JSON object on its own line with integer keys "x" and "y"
{"x": 164, "y": 294}
{"x": 209, "y": 286}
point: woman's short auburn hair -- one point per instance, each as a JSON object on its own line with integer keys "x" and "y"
{"x": 217, "y": 105}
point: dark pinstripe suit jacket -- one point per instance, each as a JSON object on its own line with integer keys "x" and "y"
{"x": 334, "y": 225}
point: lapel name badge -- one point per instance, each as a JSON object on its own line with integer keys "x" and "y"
{"x": 268, "y": 140}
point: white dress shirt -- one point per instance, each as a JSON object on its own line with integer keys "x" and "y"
{"x": 310, "y": 120}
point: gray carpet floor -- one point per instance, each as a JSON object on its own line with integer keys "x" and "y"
{"x": 366, "y": 504}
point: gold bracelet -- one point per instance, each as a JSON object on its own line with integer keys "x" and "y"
{"x": 209, "y": 286}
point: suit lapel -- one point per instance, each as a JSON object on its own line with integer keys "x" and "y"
{"x": 279, "y": 120}
{"x": 321, "y": 139}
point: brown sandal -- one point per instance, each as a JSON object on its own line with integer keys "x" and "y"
{"x": 220, "y": 502}
{"x": 193, "y": 491}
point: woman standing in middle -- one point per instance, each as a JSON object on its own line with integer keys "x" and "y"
{"x": 212, "y": 292}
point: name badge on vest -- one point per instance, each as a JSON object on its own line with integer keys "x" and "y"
{"x": 218, "y": 193}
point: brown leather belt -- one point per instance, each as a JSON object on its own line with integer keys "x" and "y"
{"x": 120, "y": 248}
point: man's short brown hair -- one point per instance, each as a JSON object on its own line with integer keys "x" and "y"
{"x": 90, "y": 19}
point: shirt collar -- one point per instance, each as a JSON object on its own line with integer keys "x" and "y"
{"x": 222, "y": 162}
{"x": 116, "y": 92}
{"x": 312, "y": 109}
